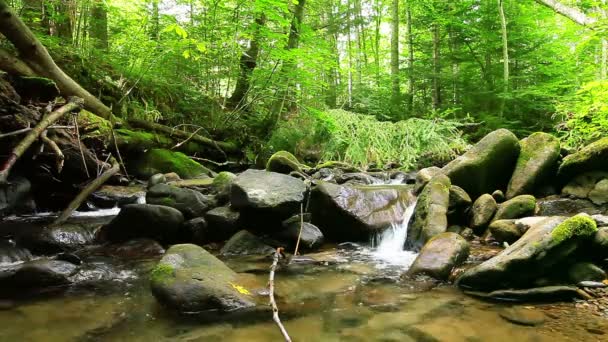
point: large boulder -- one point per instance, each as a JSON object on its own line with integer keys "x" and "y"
{"x": 459, "y": 199}
{"x": 145, "y": 221}
{"x": 520, "y": 206}
{"x": 189, "y": 202}
{"x": 424, "y": 176}
{"x": 56, "y": 239}
{"x": 354, "y": 213}
{"x": 266, "y": 198}
{"x": 585, "y": 271}
{"x": 189, "y": 279}
{"x": 582, "y": 185}
{"x": 440, "y": 255}
{"x": 284, "y": 162}
{"x": 222, "y": 184}
{"x": 482, "y": 212}
{"x": 430, "y": 214}
{"x": 559, "y": 206}
{"x": 544, "y": 249}
{"x": 537, "y": 162}
{"x": 599, "y": 194}
{"x": 156, "y": 161}
{"x": 510, "y": 231}
{"x": 245, "y": 243}
{"x": 38, "y": 274}
{"x": 590, "y": 158}
{"x": 487, "y": 166}
{"x": 223, "y": 223}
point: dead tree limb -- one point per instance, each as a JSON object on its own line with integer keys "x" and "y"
{"x": 220, "y": 145}
{"x": 27, "y": 129}
{"x": 86, "y": 192}
{"x": 569, "y": 12}
{"x": 19, "y": 150}
{"x": 36, "y": 56}
{"x": 273, "y": 303}
{"x": 55, "y": 148}
{"x": 13, "y": 65}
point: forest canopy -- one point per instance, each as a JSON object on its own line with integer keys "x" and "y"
{"x": 296, "y": 75}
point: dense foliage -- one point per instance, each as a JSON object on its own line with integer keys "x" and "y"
{"x": 279, "y": 74}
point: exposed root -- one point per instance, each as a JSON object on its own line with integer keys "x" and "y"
{"x": 55, "y": 148}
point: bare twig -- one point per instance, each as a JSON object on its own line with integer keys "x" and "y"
{"x": 273, "y": 303}
{"x": 53, "y": 146}
{"x": 84, "y": 163}
{"x": 27, "y": 129}
{"x": 89, "y": 189}
{"x": 295, "y": 252}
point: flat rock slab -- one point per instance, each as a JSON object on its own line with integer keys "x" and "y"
{"x": 522, "y": 316}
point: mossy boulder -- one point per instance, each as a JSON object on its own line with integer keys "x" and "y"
{"x": 331, "y": 164}
{"x": 582, "y": 185}
{"x": 424, "y": 176}
{"x": 156, "y": 161}
{"x": 517, "y": 207}
{"x": 599, "y": 194}
{"x": 284, "y": 162}
{"x": 585, "y": 271}
{"x": 246, "y": 243}
{"x": 135, "y": 221}
{"x": 355, "y": 212}
{"x": 590, "y": 158}
{"x": 309, "y": 235}
{"x": 189, "y": 202}
{"x": 189, "y": 279}
{"x": 482, "y": 212}
{"x": 505, "y": 231}
{"x": 440, "y": 255}
{"x": 222, "y": 183}
{"x": 487, "y": 166}
{"x": 537, "y": 162}
{"x": 430, "y": 214}
{"x": 223, "y": 223}
{"x": 542, "y": 251}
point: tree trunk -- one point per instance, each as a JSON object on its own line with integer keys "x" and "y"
{"x": 63, "y": 23}
{"x": 505, "y": 55}
{"x": 436, "y": 68}
{"x": 32, "y": 14}
{"x": 410, "y": 48}
{"x": 395, "y": 86}
{"x": 155, "y": 21}
{"x": 35, "y": 55}
{"x": 98, "y": 30}
{"x": 571, "y": 13}
{"x": 248, "y": 63}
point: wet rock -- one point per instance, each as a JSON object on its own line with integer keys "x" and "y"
{"x": 353, "y": 213}
{"x": 459, "y": 198}
{"x": 582, "y": 185}
{"x": 599, "y": 194}
{"x": 156, "y": 161}
{"x": 39, "y": 274}
{"x": 266, "y": 198}
{"x": 600, "y": 243}
{"x": 440, "y": 255}
{"x": 138, "y": 249}
{"x": 536, "y": 163}
{"x": 189, "y": 202}
{"x": 487, "y": 166}
{"x": 189, "y": 279}
{"x": 537, "y": 294}
{"x": 222, "y": 183}
{"x": 585, "y": 271}
{"x": 358, "y": 178}
{"x": 556, "y": 206}
{"x": 549, "y": 243}
{"x": 590, "y": 158}
{"x": 520, "y": 206}
{"x": 245, "y": 243}
{"x": 505, "y": 231}
{"x": 523, "y": 316}
{"x": 195, "y": 231}
{"x": 62, "y": 238}
{"x": 482, "y": 212}
{"x": 424, "y": 176}
{"x": 10, "y": 253}
{"x": 499, "y": 196}
{"x": 15, "y": 196}
{"x": 284, "y": 162}
{"x": 601, "y": 220}
{"x": 468, "y": 234}
{"x": 135, "y": 221}
{"x": 223, "y": 223}
{"x": 430, "y": 214}
{"x": 311, "y": 237}
{"x": 158, "y": 178}
{"x": 110, "y": 196}
{"x": 306, "y": 217}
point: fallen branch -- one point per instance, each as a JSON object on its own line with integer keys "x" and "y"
{"x": 273, "y": 303}
{"x": 19, "y": 150}
{"x": 295, "y": 252}
{"x": 27, "y": 129}
{"x": 86, "y": 192}
{"x": 55, "y": 148}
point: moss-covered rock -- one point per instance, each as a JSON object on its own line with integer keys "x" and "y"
{"x": 482, "y": 212}
{"x": 537, "y": 162}
{"x": 487, "y": 166}
{"x": 430, "y": 214}
{"x": 599, "y": 194}
{"x": 164, "y": 161}
{"x": 189, "y": 279}
{"x": 459, "y": 198}
{"x": 440, "y": 255}
{"x": 424, "y": 176}
{"x": 592, "y": 157}
{"x": 520, "y": 206}
{"x": 246, "y": 243}
{"x": 581, "y": 185}
{"x": 505, "y": 231}
{"x": 189, "y": 202}
{"x": 346, "y": 167}
{"x": 222, "y": 183}
{"x": 284, "y": 162}
{"x": 541, "y": 252}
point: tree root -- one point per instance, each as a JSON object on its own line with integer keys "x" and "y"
{"x": 55, "y": 148}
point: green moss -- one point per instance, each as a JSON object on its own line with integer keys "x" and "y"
{"x": 591, "y": 157}
{"x": 165, "y": 161}
{"x": 337, "y": 165}
{"x": 223, "y": 179}
{"x": 162, "y": 273}
{"x": 579, "y": 225}
{"x": 284, "y": 162}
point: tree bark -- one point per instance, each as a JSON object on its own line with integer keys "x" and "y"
{"x": 436, "y": 68}
{"x": 63, "y": 23}
{"x": 571, "y": 13}
{"x": 505, "y": 55}
{"x": 410, "y": 42}
{"x": 14, "y": 65}
{"x": 98, "y": 30}
{"x": 35, "y": 55}
{"x": 395, "y": 86}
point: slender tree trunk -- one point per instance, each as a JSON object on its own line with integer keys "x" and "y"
{"x": 505, "y": 55}
{"x": 331, "y": 98}
{"x": 32, "y": 14}
{"x": 571, "y": 13}
{"x": 436, "y": 67}
{"x": 98, "y": 31}
{"x": 377, "y": 38}
{"x": 63, "y": 23}
{"x": 395, "y": 86}
{"x": 410, "y": 48}
{"x": 349, "y": 52}
{"x": 155, "y": 21}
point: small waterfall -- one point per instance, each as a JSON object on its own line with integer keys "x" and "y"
{"x": 388, "y": 245}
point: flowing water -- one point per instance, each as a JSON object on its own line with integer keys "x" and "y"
{"x": 345, "y": 293}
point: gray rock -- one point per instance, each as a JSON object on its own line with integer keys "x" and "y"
{"x": 556, "y": 206}
{"x": 189, "y": 279}
{"x": 189, "y": 202}
{"x": 195, "y": 231}
{"x": 62, "y": 238}
{"x": 487, "y": 166}
{"x": 505, "y": 231}
{"x": 9, "y": 253}
{"x": 499, "y": 196}
{"x": 440, "y": 255}
{"x": 39, "y": 274}
{"x": 158, "y": 178}
{"x": 601, "y": 220}
{"x": 536, "y": 163}
{"x": 590, "y": 158}
{"x": 245, "y": 243}
{"x": 516, "y": 207}
{"x": 430, "y": 214}
{"x": 600, "y": 243}
{"x": 222, "y": 183}
{"x": 585, "y": 271}
{"x": 223, "y": 223}
{"x": 547, "y": 244}
{"x": 145, "y": 221}
{"x": 482, "y": 212}
{"x": 459, "y": 198}
{"x": 310, "y": 238}
{"x": 354, "y": 213}
{"x": 582, "y": 185}
{"x": 537, "y": 294}
{"x": 15, "y": 196}
{"x": 599, "y": 194}
{"x": 424, "y": 176}
{"x": 109, "y": 196}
